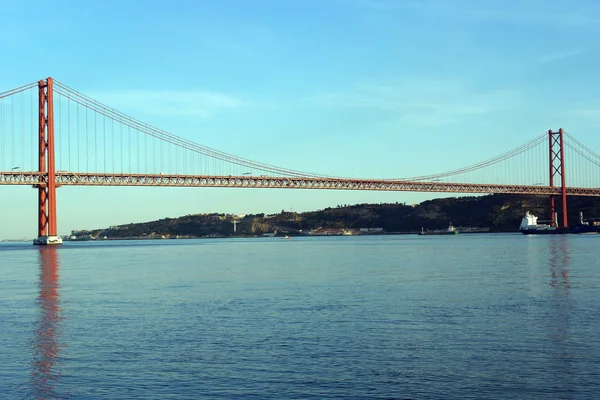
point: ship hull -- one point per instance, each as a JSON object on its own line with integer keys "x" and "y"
{"x": 585, "y": 229}
{"x": 438, "y": 233}
{"x": 544, "y": 231}
{"x": 572, "y": 230}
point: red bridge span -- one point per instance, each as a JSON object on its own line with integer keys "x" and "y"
{"x": 52, "y": 136}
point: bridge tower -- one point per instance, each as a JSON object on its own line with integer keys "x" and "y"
{"x": 47, "y": 231}
{"x": 557, "y": 167}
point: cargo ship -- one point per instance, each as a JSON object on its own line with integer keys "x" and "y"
{"x": 530, "y": 226}
{"x": 448, "y": 231}
{"x": 585, "y": 226}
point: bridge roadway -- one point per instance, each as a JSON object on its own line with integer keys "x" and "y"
{"x": 272, "y": 182}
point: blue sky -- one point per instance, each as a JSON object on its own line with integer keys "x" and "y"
{"x": 361, "y": 88}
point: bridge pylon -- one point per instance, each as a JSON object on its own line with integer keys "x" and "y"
{"x": 557, "y": 168}
{"x": 47, "y": 230}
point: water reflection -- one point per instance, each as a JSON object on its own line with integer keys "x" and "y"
{"x": 559, "y": 315}
{"x": 46, "y": 345}
{"x": 559, "y": 265}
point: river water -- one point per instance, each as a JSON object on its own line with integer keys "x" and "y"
{"x": 489, "y": 316}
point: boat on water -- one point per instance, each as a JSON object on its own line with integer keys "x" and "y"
{"x": 451, "y": 230}
{"x": 48, "y": 240}
{"x": 585, "y": 226}
{"x": 530, "y": 226}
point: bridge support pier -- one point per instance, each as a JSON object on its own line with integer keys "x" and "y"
{"x": 47, "y": 230}
{"x": 557, "y": 167}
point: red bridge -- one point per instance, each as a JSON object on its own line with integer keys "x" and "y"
{"x": 80, "y": 141}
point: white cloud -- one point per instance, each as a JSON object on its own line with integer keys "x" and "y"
{"x": 197, "y": 103}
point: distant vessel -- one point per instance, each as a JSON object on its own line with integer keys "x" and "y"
{"x": 529, "y": 226}
{"x": 73, "y": 238}
{"x": 451, "y": 230}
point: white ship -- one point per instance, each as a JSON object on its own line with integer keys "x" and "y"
{"x": 529, "y": 226}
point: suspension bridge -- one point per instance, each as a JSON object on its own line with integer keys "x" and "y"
{"x": 52, "y": 135}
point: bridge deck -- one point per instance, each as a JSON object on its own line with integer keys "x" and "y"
{"x": 109, "y": 179}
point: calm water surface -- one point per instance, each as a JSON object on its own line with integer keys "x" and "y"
{"x": 384, "y": 317}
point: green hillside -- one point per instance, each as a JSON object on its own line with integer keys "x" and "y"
{"x": 498, "y": 213}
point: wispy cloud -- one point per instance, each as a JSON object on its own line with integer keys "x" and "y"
{"x": 424, "y": 102}
{"x": 387, "y": 4}
{"x": 592, "y": 113}
{"x": 196, "y": 103}
{"x": 8, "y": 38}
{"x": 553, "y": 13}
{"x": 559, "y": 55}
